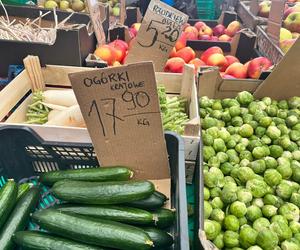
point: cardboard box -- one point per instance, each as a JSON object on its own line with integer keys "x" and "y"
{"x": 17, "y": 95}
{"x": 241, "y": 45}
{"x": 247, "y": 12}
{"x": 282, "y": 82}
{"x": 71, "y": 47}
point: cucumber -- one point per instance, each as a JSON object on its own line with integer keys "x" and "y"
{"x": 151, "y": 203}
{"x": 127, "y": 215}
{"x": 23, "y": 189}
{"x": 116, "y": 173}
{"x": 161, "y": 195}
{"x": 102, "y": 192}
{"x": 35, "y": 240}
{"x": 163, "y": 218}
{"x": 19, "y": 217}
{"x": 98, "y": 232}
{"x": 8, "y": 197}
{"x": 160, "y": 238}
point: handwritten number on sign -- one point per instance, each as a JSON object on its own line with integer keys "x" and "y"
{"x": 150, "y": 28}
{"x": 140, "y": 99}
{"x": 95, "y": 106}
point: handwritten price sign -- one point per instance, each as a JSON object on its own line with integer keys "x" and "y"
{"x": 121, "y": 109}
{"x": 160, "y": 29}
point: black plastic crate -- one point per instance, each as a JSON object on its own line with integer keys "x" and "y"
{"x": 24, "y": 154}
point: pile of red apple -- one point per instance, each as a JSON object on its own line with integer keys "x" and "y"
{"x": 229, "y": 66}
{"x": 200, "y": 31}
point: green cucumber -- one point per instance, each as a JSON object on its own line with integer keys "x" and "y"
{"x": 116, "y": 173}
{"x": 127, "y": 215}
{"x": 19, "y": 217}
{"x": 102, "y": 192}
{"x": 161, "y": 195}
{"x": 163, "y": 218}
{"x": 8, "y": 197}
{"x": 160, "y": 238}
{"x": 35, "y": 240}
{"x": 151, "y": 203}
{"x": 93, "y": 231}
{"x": 23, "y": 189}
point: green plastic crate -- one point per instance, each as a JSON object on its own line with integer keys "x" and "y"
{"x": 206, "y": 9}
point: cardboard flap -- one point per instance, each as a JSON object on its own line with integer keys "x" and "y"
{"x": 192, "y": 128}
{"x": 254, "y": 7}
{"x": 122, "y": 11}
{"x": 121, "y": 109}
{"x": 160, "y": 29}
{"x": 275, "y": 20}
{"x": 211, "y": 75}
{"x": 188, "y": 80}
{"x": 284, "y": 81}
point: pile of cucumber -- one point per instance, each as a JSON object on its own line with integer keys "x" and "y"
{"x": 101, "y": 209}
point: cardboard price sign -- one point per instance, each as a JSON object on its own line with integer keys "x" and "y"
{"x": 95, "y": 16}
{"x": 121, "y": 109}
{"x": 160, "y": 29}
{"x": 275, "y": 20}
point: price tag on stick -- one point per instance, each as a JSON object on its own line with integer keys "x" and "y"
{"x": 120, "y": 106}
{"x": 160, "y": 29}
{"x": 95, "y": 16}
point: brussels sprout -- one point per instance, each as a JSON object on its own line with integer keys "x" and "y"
{"x": 208, "y": 139}
{"x": 253, "y": 213}
{"x": 253, "y": 124}
{"x": 205, "y": 102}
{"x": 246, "y": 130}
{"x": 240, "y": 147}
{"x": 234, "y": 111}
{"x": 259, "y": 114}
{"x": 231, "y": 239}
{"x": 284, "y": 190}
{"x": 284, "y": 129}
{"x": 229, "y": 179}
{"x": 214, "y": 178}
{"x": 233, "y": 159}
{"x": 270, "y": 162}
{"x": 207, "y": 209}
{"x": 272, "y": 110}
{"x": 265, "y": 121}
{"x": 294, "y": 135}
{"x": 287, "y": 155}
{"x": 260, "y": 131}
{"x": 238, "y": 209}
{"x": 224, "y": 134}
{"x": 208, "y": 152}
{"x": 271, "y": 199}
{"x": 243, "y": 221}
{"x": 226, "y": 167}
{"x": 266, "y": 140}
{"x": 248, "y": 237}
{"x": 208, "y": 122}
{"x": 226, "y": 116}
{"x": 247, "y": 118}
{"x": 245, "y": 174}
{"x": 244, "y": 195}
{"x": 285, "y": 171}
{"x": 231, "y": 144}
{"x": 295, "y": 199}
{"x": 212, "y": 229}
{"x": 246, "y": 155}
{"x": 245, "y": 98}
{"x": 253, "y": 144}
{"x": 244, "y": 163}
{"x": 278, "y": 121}
{"x": 267, "y": 239}
{"x": 282, "y": 114}
{"x": 255, "y": 248}
{"x": 214, "y": 132}
{"x": 206, "y": 193}
{"x": 295, "y": 227}
{"x": 219, "y": 145}
{"x": 258, "y": 166}
{"x": 215, "y": 192}
{"x": 284, "y": 142}
{"x": 231, "y": 223}
{"x": 261, "y": 224}
{"x": 296, "y": 155}
{"x": 214, "y": 162}
{"x": 217, "y": 203}
{"x": 217, "y": 215}
{"x": 282, "y": 230}
{"x": 289, "y": 211}
{"x": 291, "y": 121}
{"x": 296, "y": 127}
{"x": 275, "y": 151}
{"x": 269, "y": 210}
{"x": 236, "y": 138}
{"x": 283, "y": 104}
{"x": 258, "y": 202}
{"x": 257, "y": 187}
{"x": 218, "y": 241}
{"x": 273, "y": 132}
{"x": 258, "y": 152}
{"x": 202, "y": 113}
{"x": 272, "y": 177}
{"x": 294, "y": 102}
{"x": 288, "y": 245}
{"x": 279, "y": 218}
{"x": 216, "y": 105}
{"x": 229, "y": 193}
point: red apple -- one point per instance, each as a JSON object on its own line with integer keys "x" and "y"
{"x": 212, "y": 50}
{"x": 225, "y": 76}
{"x": 230, "y": 60}
{"x": 257, "y": 65}
{"x": 197, "y": 63}
{"x": 187, "y": 54}
{"x": 205, "y": 37}
{"x": 205, "y": 30}
{"x": 218, "y": 60}
{"x": 214, "y": 38}
{"x": 119, "y": 43}
{"x": 174, "y": 65}
{"x": 233, "y": 28}
{"x": 290, "y": 10}
{"x": 173, "y": 53}
{"x": 236, "y": 70}
{"x": 198, "y": 25}
{"x": 132, "y": 32}
{"x": 191, "y": 29}
{"x": 219, "y": 30}
{"x": 225, "y": 38}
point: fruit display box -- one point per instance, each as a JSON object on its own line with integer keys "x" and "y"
{"x": 240, "y": 46}
{"x": 280, "y": 83}
{"x": 35, "y": 154}
{"x": 249, "y": 19}
{"x": 17, "y": 96}
{"x": 80, "y": 42}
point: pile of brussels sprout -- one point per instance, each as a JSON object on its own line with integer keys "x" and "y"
{"x": 251, "y": 172}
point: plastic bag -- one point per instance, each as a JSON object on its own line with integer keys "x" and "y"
{"x": 188, "y": 7}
